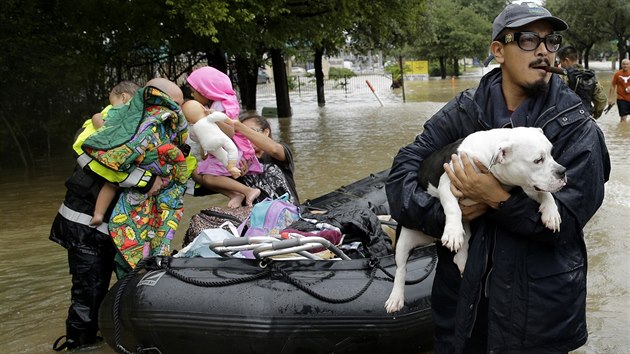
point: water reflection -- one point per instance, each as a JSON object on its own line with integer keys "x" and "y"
{"x": 347, "y": 139}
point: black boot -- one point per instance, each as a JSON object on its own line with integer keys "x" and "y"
{"x": 76, "y": 339}
{"x": 69, "y": 344}
{"x": 72, "y": 344}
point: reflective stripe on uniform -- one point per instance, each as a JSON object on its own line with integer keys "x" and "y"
{"x": 135, "y": 177}
{"x": 80, "y": 218}
{"x": 84, "y": 159}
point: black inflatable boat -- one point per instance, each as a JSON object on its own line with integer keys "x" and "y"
{"x": 231, "y": 305}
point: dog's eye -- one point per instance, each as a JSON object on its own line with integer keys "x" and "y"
{"x": 539, "y": 160}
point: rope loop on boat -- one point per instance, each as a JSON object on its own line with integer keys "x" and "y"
{"x": 213, "y": 284}
{"x": 116, "y": 312}
{"x": 324, "y": 298}
{"x": 416, "y": 281}
{"x": 264, "y": 263}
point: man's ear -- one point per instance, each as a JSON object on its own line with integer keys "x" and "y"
{"x": 496, "y": 48}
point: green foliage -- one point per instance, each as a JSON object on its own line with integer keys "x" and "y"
{"x": 590, "y": 25}
{"x": 387, "y": 25}
{"x": 60, "y": 58}
{"x": 295, "y": 82}
{"x": 434, "y": 69}
{"x": 451, "y": 29}
{"x": 488, "y": 9}
{"x": 394, "y": 70}
{"x": 340, "y": 73}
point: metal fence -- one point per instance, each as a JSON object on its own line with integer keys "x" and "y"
{"x": 305, "y": 86}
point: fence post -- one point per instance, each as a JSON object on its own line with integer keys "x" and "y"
{"x": 402, "y": 76}
{"x": 299, "y": 86}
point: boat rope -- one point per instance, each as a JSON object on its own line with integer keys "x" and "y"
{"x": 324, "y": 298}
{"x": 212, "y": 284}
{"x": 116, "y": 314}
{"x": 412, "y": 282}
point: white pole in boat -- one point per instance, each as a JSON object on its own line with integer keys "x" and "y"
{"x": 374, "y": 92}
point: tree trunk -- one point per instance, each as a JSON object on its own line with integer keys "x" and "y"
{"x": 443, "y": 67}
{"x": 621, "y": 49}
{"x": 319, "y": 77}
{"x": 247, "y": 74}
{"x": 18, "y": 146}
{"x": 587, "y": 50}
{"x": 455, "y": 67}
{"x": 216, "y": 59}
{"x": 281, "y": 84}
{"x": 402, "y": 76}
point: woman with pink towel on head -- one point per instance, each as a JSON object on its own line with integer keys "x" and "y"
{"x": 212, "y": 91}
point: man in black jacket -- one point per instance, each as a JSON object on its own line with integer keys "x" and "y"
{"x": 524, "y": 286}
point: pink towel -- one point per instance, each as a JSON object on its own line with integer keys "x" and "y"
{"x": 216, "y": 86}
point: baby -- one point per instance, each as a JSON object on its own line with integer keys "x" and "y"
{"x": 119, "y": 96}
{"x": 211, "y": 138}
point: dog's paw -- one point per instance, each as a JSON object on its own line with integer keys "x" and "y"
{"x": 395, "y": 302}
{"x": 453, "y": 237}
{"x": 551, "y": 217}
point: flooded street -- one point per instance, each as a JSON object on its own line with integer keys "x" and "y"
{"x": 349, "y": 138}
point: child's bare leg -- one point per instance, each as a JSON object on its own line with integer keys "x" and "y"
{"x": 105, "y": 197}
{"x": 233, "y": 189}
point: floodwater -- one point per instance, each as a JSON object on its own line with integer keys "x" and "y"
{"x": 349, "y": 138}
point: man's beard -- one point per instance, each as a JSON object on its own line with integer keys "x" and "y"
{"x": 536, "y": 89}
{"x": 539, "y": 87}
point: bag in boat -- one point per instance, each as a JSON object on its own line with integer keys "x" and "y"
{"x": 271, "y": 216}
{"x": 212, "y": 218}
{"x": 199, "y": 247}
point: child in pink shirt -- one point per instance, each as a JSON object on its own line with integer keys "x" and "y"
{"x": 212, "y": 91}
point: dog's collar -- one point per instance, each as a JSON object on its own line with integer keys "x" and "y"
{"x": 493, "y": 160}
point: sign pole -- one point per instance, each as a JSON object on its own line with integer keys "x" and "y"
{"x": 374, "y": 92}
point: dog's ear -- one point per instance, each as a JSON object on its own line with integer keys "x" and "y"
{"x": 504, "y": 154}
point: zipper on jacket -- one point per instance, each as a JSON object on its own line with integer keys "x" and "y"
{"x": 485, "y": 289}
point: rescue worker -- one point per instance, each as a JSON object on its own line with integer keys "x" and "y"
{"x": 91, "y": 251}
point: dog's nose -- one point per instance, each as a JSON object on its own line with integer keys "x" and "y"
{"x": 560, "y": 172}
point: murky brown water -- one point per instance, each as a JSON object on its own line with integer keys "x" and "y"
{"x": 346, "y": 140}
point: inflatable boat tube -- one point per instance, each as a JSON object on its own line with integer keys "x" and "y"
{"x": 234, "y": 305}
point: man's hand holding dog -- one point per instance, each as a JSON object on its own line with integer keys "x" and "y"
{"x": 480, "y": 187}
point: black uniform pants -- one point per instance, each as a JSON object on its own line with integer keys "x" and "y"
{"x": 91, "y": 274}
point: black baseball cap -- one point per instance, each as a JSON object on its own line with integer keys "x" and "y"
{"x": 515, "y": 15}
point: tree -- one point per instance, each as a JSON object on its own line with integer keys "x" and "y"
{"x": 617, "y": 24}
{"x": 583, "y": 21}
{"x": 452, "y": 31}
{"x": 61, "y": 58}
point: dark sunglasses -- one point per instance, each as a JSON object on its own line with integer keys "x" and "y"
{"x": 529, "y": 41}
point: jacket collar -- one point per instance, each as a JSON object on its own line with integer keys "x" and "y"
{"x": 534, "y": 111}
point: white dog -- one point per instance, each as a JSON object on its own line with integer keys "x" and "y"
{"x": 213, "y": 141}
{"x": 516, "y": 157}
